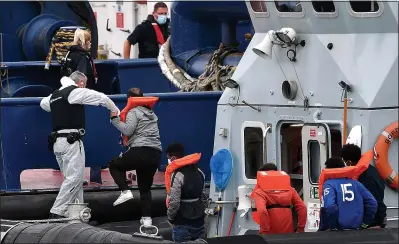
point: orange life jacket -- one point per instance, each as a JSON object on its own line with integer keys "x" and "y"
{"x": 177, "y": 164}
{"x": 351, "y": 172}
{"x": 270, "y": 181}
{"x": 133, "y": 102}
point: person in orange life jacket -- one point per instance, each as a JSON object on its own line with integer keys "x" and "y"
{"x": 273, "y": 207}
{"x": 186, "y": 198}
{"x": 150, "y": 34}
{"x": 139, "y": 127}
{"x": 79, "y": 58}
{"x": 65, "y": 141}
{"x": 351, "y": 154}
{"x": 345, "y": 203}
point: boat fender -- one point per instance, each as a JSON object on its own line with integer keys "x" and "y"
{"x": 175, "y": 165}
{"x": 381, "y": 148}
{"x": 133, "y": 102}
{"x": 270, "y": 181}
{"x": 351, "y": 172}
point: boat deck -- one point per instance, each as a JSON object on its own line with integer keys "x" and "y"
{"x": 52, "y": 179}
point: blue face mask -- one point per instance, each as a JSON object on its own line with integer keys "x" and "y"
{"x": 162, "y": 19}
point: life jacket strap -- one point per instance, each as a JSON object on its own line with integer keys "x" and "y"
{"x": 273, "y": 206}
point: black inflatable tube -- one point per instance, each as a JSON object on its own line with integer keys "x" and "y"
{"x": 83, "y": 233}
{"x": 70, "y": 233}
{"x": 37, "y": 206}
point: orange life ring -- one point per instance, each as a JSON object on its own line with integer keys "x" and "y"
{"x": 381, "y": 154}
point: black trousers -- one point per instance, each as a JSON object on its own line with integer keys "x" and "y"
{"x": 145, "y": 160}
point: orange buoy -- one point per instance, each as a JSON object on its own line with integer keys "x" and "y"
{"x": 381, "y": 154}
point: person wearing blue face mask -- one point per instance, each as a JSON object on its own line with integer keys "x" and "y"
{"x": 150, "y": 34}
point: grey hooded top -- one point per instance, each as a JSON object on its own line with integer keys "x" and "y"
{"x": 141, "y": 127}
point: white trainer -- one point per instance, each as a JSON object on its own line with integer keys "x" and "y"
{"x": 125, "y": 196}
{"x": 146, "y": 221}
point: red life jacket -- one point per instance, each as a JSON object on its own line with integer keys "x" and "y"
{"x": 351, "y": 172}
{"x": 133, "y": 102}
{"x": 177, "y": 164}
{"x": 158, "y": 32}
{"x": 270, "y": 181}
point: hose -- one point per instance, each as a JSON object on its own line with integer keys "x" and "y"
{"x": 232, "y": 220}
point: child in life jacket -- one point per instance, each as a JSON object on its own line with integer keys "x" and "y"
{"x": 186, "y": 199}
{"x": 345, "y": 203}
{"x": 274, "y": 198}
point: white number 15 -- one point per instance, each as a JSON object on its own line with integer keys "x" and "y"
{"x": 345, "y": 191}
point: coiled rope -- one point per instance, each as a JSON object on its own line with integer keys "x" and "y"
{"x": 60, "y": 42}
{"x": 212, "y": 79}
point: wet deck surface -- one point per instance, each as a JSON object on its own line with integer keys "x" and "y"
{"x": 50, "y": 179}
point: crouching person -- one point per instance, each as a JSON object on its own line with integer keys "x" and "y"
{"x": 346, "y": 204}
{"x": 185, "y": 186}
{"x": 274, "y": 198}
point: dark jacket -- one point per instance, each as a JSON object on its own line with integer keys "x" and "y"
{"x": 373, "y": 182}
{"x": 80, "y": 59}
{"x": 346, "y": 204}
{"x": 187, "y": 197}
{"x": 144, "y": 35}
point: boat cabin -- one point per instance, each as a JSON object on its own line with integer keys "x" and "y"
{"x": 286, "y": 101}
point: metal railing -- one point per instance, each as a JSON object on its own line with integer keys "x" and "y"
{"x": 393, "y": 218}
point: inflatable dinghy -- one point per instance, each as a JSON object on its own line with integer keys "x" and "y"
{"x": 19, "y": 232}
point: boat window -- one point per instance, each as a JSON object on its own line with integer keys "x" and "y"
{"x": 314, "y": 161}
{"x": 288, "y": 6}
{"x": 258, "y": 6}
{"x": 253, "y": 150}
{"x": 323, "y": 6}
{"x": 364, "y": 6}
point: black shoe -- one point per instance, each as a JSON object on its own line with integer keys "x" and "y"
{"x": 55, "y": 216}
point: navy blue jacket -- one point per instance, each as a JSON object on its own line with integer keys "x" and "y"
{"x": 346, "y": 204}
{"x": 373, "y": 182}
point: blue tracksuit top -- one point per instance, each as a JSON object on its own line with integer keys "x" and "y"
{"x": 346, "y": 204}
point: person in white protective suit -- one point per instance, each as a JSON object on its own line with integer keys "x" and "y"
{"x": 68, "y": 121}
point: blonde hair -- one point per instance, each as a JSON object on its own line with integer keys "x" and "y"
{"x": 81, "y": 37}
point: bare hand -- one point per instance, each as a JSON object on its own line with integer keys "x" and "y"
{"x": 113, "y": 114}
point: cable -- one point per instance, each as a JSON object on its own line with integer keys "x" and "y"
{"x": 299, "y": 82}
{"x": 278, "y": 62}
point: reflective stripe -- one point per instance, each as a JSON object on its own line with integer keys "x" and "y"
{"x": 391, "y": 177}
{"x": 68, "y": 131}
{"x": 388, "y": 136}
{"x": 189, "y": 200}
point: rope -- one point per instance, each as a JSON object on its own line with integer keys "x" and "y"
{"x": 213, "y": 78}
{"x": 8, "y": 82}
{"x": 60, "y": 42}
{"x": 84, "y": 216}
